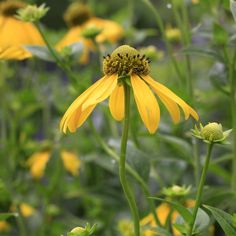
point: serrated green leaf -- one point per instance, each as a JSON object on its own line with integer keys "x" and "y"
{"x": 224, "y": 219}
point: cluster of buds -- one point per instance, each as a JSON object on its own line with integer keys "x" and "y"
{"x": 32, "y": 13}
{"x": 176, "y": 191}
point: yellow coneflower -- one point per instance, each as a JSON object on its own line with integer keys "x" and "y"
{"x": 126, "y": 63}
{"x": 4, "y": 226}
{"x": 79, "y": 18}
{"x": 38, "y": 161}
{"x": 15, "y": 34}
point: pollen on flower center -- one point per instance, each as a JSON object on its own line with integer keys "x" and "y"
{"x": 126, "y": 60}
{"x": 9, "y": 8}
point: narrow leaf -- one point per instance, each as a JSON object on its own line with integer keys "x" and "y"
{"x": 224, "y": 219}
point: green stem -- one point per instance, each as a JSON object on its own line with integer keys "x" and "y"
{"x": 57, "y": 59}
{"x": 168, "y": 45}
{"x": 21, "y": 223}
{"x": 233, "y": 115}
{"x": 122, "y": 172}
{"x": 130, "y": 170}
{"x": 200, "y": 188}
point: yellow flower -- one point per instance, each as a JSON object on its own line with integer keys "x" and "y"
{"x": 71, "y": 162}
{"x": 26, "y": 210}
{"x": 38, "y": 161}
{"x": 173, "y": 34}
{"x": 15, "y": 33}
{"x": 162, "y": 212}
{"x": 80, "y": 19}
{"x": 126, "y": 63}
{"x": 195, "y": 1}
{"x": 4, "y": 226}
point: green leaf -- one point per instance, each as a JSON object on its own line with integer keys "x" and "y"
{"x": 201, "y": 223}
{"x": 41, "y": 52}
{"x": 233, "y": 8}
{"x": 224, "y": 219}
{"x": 5, "y": 216}
{"x": 220, "y": 35}
{"x": 179, "y": 146}
{"x": 203, "y": 52}
{"x": 184, "y": 212}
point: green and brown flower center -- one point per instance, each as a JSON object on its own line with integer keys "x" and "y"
{"x": 126, "y": 60}
{"x": 77, "y": 14}
{"x": 10, "y": 7}
{"x": 213, "y": 131}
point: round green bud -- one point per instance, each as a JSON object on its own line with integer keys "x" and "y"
{"x": 212, "y": 132}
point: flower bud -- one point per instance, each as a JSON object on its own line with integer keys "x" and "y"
{"x": 32, "y": 13}
{"x": 213, "y": 131}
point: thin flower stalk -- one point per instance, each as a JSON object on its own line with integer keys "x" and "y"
{"x": 129, "y": 169}
{"x": 168, "y": 45}
{"x": 122, "y": 172}
{"x": 200, "y": 188}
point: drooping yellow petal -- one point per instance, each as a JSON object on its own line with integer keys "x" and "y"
{"x": 70, "y": 162}
{"x": 37, "y": 163}
{"x": 13, "y": 53}
{"x": 116, "y": 103}
{"x": 105, "y": 90}
{"x": 80, "y": 109}
{"x": 161, "y": 90}
{"x": 146, "y": 103}
{"x": 15, "y": 34}
{"x": 171, "y": 106}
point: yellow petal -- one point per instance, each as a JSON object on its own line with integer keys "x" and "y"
{"x": 161, "y": 90}
{"x": 80, "y": 109}
{"x": 15, "y": 34}
{"x": 116, "y": 103}
{"x": 70, "y": 162}
{"x": 146, "y": 103}
{"x": 105, "y": 89}
{"x": 37, "y": 163}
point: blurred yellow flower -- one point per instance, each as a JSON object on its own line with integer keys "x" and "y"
{"x": 125, "y": 63}
{"x": 71, "y": 162}
{"x": 4, "y": 226}
{"x": 173, "y": 34}
{"x": 80, "y": 19}
{"x": 38, "y": 161}
{"x": 26, "y": 210}
{"x": 162, "y": 212}
{"x": 15, "y": 33}
{"x": 195, "y": 1}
